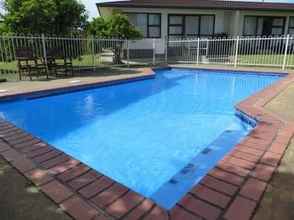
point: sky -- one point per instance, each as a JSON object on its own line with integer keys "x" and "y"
{"x": 93, "y": 12}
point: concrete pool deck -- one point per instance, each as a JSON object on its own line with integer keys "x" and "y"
{"x": 232, "y": 190}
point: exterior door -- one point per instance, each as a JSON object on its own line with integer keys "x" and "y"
{"x": 267, "y": 26}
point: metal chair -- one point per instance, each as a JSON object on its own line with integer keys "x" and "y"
{"x": 28, "y": 64}
{"x": 53, "y": 56}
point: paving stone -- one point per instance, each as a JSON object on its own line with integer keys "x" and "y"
{"x": 263, "y": 172}
{"x": 211, "y": 196}
{"x": 82, "y": 180}
{"x": 96, "y": 187}
{"x": 271, "y": 159}
{"x": 241, "y": 209}
{"x": 60, "y": 159}
{"x": 140, "y": 211}
{"x": 109, "y": 195}
{"x": 179, "y": 213}
{"x": 56, "y": 191}
{"x": 253, "y": 189}
{"x": 200, "y": 208}
{"x": 79, "y": 209}
{"x": 124, "y": 204}
{"x": 227, "y": 177}
{"x": 67, "y": 164}
{"x": 219, "y": 185}
{"x": 157, "y": 214}
{"x": 46, "y": 156}
{"x": 73, "y": 172}
{"x": 39, "y": 176}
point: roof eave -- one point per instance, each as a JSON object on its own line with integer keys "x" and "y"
{"x": 116, "y": 5}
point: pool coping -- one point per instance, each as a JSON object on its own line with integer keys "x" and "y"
{"x": 232, "y": 189}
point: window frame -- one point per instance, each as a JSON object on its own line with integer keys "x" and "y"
{"x": 290, "y": 27}
{"x": 183, "y": 25}
{"x": 148, "y": 23}
{"x": 257, "y": 21}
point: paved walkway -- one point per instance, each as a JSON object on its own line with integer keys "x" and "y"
{"x": 278, "y": 201}
{"x": 230, "y": 191}
{"x": 102, "y": 75}
{"x": 21, "y": 200}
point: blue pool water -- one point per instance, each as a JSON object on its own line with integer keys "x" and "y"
{"x": 158, "y": 137}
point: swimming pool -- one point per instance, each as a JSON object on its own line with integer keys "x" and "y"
{"x": 158, "y": 137}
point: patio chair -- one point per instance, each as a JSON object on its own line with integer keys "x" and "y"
{"x": 28, "y": 64}
{"x": 65, "y": 68}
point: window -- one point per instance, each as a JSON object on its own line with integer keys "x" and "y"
{"x": 191, "y": 25}
{"x": 277, "y": 26}
{"x": 263, "y": 25}
{"x": 291, "y": 26}
{"x": 148, "y": 24}
{"x": 206, "y": 25}
{"x": 250, "y": 26}
{"x": 176, "y": 25}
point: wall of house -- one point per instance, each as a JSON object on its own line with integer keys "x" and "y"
{"x": 263, "y": 13}
{"x": 226, "y": 21}
{"x": 221, "y": 23}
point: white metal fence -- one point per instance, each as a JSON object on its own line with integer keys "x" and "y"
{"x": 90, "y": 53}
{"x": 239, "y": 51}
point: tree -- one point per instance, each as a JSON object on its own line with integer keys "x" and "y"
{"x": 59, "y": 17}
{"x": 116, "y": 26}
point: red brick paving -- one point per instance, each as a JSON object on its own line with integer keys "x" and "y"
{"x": 227, "y": 177}
{"x": 232, "y": 190}
{"x": 263, "y": 172}
{"x": 108, "y": 196}
{"x": 237, "y": 170}
{"x": 211, "y": 196}
{"x": 97, "y": 186}
{"x": 200, "y": 207}
{"x": 140, "y": 211}
{"x": 82, "y": 180}
{"x": 219, "y": 186}
{"x": 60, "y": 168}
{"x": 79, "y": 209}
{"x": 179, "y": 213}
{"x": 253, "y": 189}
{"x": 73, "y": 172}
{"x": 125, "y": 204}
{"x": 56, "y": 191}
{"x": 157, "y": 214}
{"x": 39, "y": 177}
{"x": 241, "y": 209}
{"x": 46, "y": 156}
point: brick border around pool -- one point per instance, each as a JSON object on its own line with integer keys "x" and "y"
{"x": 232, "y": 190}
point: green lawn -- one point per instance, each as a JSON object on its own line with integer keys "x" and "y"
{"x": 265, "y": 59}
{"x": 89, "y": 61}
{"x": 86, "y": 60}
{"x": 8, "y": 70}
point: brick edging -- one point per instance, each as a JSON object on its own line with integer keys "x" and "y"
{"x": 232, "y": 189}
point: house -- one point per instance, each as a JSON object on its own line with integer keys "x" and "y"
{"x": 161, "y": 19}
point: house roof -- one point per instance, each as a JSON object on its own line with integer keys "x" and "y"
{"x": 201, "y": 4}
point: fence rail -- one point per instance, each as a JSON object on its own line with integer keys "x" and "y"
{"x": 93, "y": 52}
{"x": 271, "y": 52}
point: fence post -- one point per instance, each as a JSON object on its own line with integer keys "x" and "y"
{"x": 128, "y": 53}
{"x": 154, "y": 52}
{"x": 286, "y": 52}
{"x": 44, "y": 51}
{"x": 207, "y": 47}
{"x": 236, "y": 51}
{"x": 198, "y": 51}
{"x": 93, "y": 54}
{"x": 166, "y": 48}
